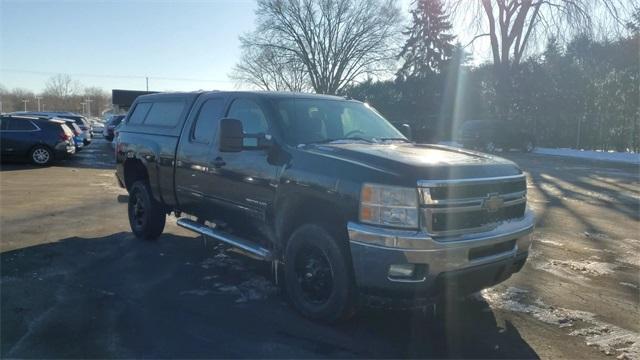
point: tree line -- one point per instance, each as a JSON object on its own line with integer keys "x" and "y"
{"x": 579, "y": 91}
{"x": 61, "y": 93}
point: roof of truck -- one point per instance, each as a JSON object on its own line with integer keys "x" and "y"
{"x": 270, "y": 94}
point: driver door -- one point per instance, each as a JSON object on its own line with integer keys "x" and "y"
{"x": 245, "y": 181}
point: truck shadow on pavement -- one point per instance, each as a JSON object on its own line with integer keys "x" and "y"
{"x": 116, "y": 296}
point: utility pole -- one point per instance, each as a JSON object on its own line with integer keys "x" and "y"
{"x": 25, "y": 101}
{"x": 88, "y": 101}
{"x": 578, "y": 133}
{"x": 147, "y": 78}
{"x": 42, "y": 106}
{"x": 83, "y": 107}
{"x": 38, "y": 98}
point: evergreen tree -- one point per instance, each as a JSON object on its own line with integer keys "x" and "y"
{"x": 429, "y": 45}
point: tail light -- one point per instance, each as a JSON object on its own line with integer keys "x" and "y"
{"x": 64, "y": 136}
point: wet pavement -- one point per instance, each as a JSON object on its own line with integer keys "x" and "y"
{"x": 76, "y": 284}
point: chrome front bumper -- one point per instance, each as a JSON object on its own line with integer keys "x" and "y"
{"x": 375, "y": 249}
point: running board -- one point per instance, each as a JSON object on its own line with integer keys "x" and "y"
{"x": 252, "y": 249}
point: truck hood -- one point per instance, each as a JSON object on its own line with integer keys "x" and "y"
{"x": 419, "y": 161}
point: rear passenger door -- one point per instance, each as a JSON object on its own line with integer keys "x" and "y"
{"x": 194, "y": 185}
{"x": 19, "y": 136}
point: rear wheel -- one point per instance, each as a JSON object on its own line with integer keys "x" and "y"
{"x": 146, "y": 215}
{"x": 41, "y": 155}
{"x": 318, "y": 275}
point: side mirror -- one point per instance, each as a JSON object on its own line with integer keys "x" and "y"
{"x": 231, "y": 135}
{"x": 405, "y": 129}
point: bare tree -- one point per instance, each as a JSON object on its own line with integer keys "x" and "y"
{"x": 337, "y": 41}
{"x": 270, "y": 69}
{"x": 512, "y": 24}
{"x": 62, "y": 86}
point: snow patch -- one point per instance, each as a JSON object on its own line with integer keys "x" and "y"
{"x": 596, "y": 236}
{"x": 612, "y": 156}
{"x": 256, "y": 288}
{"x": 633, "y": 286}
{"x": 610, "y": 339}
{"x": 550, "y": 242}
{"x": 594, "y": 268}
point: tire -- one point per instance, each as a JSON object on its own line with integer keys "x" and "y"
{"x": 146, "y": 215}
{"x": 41, "y": 155}
{"x": 109, "y": 138}
{"x": 528, "y": 146}
{"x": 318, "y": 274}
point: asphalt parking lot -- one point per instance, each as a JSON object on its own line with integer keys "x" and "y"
{"x": 75, "y": 283}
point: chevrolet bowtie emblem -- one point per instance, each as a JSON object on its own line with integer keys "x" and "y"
{"x": 492, "y": 203}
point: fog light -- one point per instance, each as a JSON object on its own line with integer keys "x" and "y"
{"x": 402, "y": 271}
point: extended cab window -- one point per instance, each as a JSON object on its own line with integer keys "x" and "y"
{"x": 165, "y": 113}
{"x": 139, "y": 113}
{"x": 250, "y": 114}
{"x": 207, "y": 120}
{"x": 21, "y": 125}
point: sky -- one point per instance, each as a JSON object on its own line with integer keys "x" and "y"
{"x": 180, "y": 45}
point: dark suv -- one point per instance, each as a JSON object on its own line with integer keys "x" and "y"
{"x": 81, "y": 121}
{"x": 38, "y": 140}
{"x": 488, "y": 136}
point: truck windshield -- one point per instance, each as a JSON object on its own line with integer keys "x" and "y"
{"x": 306, "y": 121}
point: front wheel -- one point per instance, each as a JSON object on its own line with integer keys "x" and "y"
{"x": 146, "y": 215}
{"x": 41, "y": 155}
{"x": 318, "y": 275}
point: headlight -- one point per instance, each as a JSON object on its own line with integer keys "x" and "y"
{"x": 389, "y": 205}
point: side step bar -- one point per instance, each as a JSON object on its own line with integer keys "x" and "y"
{"x": 247, "y": 246}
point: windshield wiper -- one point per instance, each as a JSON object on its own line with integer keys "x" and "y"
{"x": 356, "y": 138}
{"x": 392, "y": 139}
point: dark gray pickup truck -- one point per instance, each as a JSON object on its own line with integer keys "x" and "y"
{"x": 343, "y": 205}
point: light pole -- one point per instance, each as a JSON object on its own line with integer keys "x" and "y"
{"x": 88, "y": 101}
{"x": 25, "y": 101}
{"x": 38, "y": 98}
{"x": 83, "y": 107}
{"x": 42, "y": 106}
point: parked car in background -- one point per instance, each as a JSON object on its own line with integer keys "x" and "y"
{"x": 96, "y": 125}
{"x": 489, "y": 135}
{"x": 78, "y": 139}
{"x": 81, "y": 121}
{"x": 112, "y": 122}
{"x": 38, "y": 140}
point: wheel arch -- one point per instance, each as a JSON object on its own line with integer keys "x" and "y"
{"x": 134, "y": 170}
{"x": 44, "y": 145}
{"x": 298, "y": 209}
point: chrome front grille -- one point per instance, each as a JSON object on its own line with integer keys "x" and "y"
{"x": 455, "y": 207}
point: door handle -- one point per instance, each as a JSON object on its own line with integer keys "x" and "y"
{"x": 218, "y": 162}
